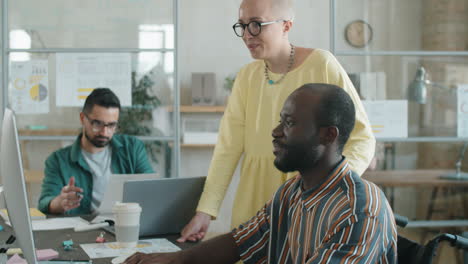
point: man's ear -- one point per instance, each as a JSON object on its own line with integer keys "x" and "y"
{"x": 82, "y": 117}
{"x": 328, "y": 135}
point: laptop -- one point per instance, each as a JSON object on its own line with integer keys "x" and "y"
{"x": 114, "y": 191}
{"x": 167, "y": 204}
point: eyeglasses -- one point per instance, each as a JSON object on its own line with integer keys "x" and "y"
{"x": 98, "y": 125}
{"x": 254, "y": 27}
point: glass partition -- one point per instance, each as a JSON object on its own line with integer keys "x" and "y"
{"x": 60, "y": 50}
{"x": 151, "y": 79}
{"x": 94, "y": 24}
{"x": 389, "y": 78}
{"x": 400, "y": 25}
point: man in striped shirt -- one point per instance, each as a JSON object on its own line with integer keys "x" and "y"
{"x": 326, "y": 214}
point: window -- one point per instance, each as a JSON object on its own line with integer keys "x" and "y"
{"x": 20, "y": 39}
{"x": 153, "y": 36}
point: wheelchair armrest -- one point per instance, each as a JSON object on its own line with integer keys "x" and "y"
{"x": 401, "y": 220}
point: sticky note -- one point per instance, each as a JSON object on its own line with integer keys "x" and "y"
{"x": 12, "y": 251}
{"x": 46, "y": 254}
{"x": 33, "y": 212}
{"x": 15, "y": 259}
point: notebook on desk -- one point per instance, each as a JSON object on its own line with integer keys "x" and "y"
{"x": 167, "y": 204}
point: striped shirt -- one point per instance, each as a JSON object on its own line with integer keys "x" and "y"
{"x": 345, "y": 219}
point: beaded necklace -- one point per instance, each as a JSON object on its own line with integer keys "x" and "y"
{"x": 291, "y": 62}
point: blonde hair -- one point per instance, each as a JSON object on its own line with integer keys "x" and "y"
{"x": 285, "y": 8}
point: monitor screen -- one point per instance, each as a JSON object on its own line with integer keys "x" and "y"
{"x": 16, "y": 199}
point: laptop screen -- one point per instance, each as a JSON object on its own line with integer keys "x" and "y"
{"x": 114, "y": 190}
{"x": 167, "y": 204}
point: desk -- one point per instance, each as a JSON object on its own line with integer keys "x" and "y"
{"x": 412, "y": 178}
{"x": 53, "y": 239}
{"x": 418, "y": 178}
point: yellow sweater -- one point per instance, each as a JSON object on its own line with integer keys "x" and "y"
{"x": 251, "y": 114}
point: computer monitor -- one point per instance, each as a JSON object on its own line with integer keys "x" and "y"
{"x": 16, "y": 199}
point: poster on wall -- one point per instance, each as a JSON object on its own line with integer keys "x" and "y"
{"x": 388, "y": 118}
{"x": 462, "y": 110}
{"x": 78, "y": 74}
{"x": 29, "y": 87}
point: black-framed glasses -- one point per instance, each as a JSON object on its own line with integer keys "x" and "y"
{"x": 98, "y": 125}
{"x": 254, "y": 27}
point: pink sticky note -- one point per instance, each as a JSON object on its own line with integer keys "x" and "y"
{"x": 16, "y": 259}
{"x": 46, "y": 254}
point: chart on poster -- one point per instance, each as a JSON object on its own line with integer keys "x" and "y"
{"x": 29, "y": 88}
{"x": 78, "y": 74}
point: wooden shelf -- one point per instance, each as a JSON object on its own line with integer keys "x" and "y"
{"x": 412, "y": 178}
{"x": 49, "y": 132}
{"x": 199, "y": 109}
{"x": 424, "y": 139}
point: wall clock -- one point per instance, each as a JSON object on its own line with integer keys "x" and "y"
{"x": 358, "y": 33}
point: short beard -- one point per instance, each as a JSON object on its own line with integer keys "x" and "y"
{"x": 298, "y": 159}
{"x": 97, "y": 143}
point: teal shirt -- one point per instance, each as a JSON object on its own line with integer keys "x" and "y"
{"x": 128, "y": 157}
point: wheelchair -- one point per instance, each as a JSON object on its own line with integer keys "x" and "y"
{"x": 411, "y": 252}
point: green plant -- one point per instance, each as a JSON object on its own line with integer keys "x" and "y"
{"x": 229, "y": 82}
{"x": 137, "y": 119}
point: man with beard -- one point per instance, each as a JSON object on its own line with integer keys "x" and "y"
{"x": 326, "y": 214}
{"x": 76, "y": 176}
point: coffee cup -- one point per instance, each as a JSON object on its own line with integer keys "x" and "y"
{"x": 127, "y": 223}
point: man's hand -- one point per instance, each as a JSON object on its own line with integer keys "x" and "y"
{"x": 69, "y": 198}
{"x": 160, "y": 258}
{"x": 196, "y": 229}
{"x": 221, "y": 249}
